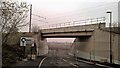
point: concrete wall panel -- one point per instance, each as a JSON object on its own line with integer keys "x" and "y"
{"x": 96, "y": 47}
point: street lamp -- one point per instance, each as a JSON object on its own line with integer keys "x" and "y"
{"x": 30, "y": 17}
{"x": 110, "y": 36}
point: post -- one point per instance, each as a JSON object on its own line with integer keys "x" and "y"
{"x": 110, "y": 36}
{"x": 30, "y": 17}
{"x": 110, "y": 39}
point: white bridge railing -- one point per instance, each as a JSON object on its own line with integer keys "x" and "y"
{"x": 75, "y": 23}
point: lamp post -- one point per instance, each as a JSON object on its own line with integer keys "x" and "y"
{"x": 110, "y": 36}
{"x": 30, "y": 17}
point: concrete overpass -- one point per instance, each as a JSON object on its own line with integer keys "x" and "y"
{"x": 63, "y": 32}
{"x": 92, "y": 41}
{"x": 71, "y": 32}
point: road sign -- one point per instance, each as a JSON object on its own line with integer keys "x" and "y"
{"x": 26, "y": 41}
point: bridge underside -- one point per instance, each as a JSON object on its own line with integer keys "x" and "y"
{"x": 72, "y": 34}
{"x": 67, "y": 35}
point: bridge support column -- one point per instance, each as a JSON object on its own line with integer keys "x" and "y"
{"x": 41, "y": 45}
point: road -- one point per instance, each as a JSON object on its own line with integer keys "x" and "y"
{"x": 60, "y": 58}
{"x": 56, "y": 59}
{"x": 29, "y": 63}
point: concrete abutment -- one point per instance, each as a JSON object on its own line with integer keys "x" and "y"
{"x": 41, "y": 45}
{"x": 96, "y": 47}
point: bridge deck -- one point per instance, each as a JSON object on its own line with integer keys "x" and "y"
{"x": 78, "y": 33}
{"x": 73, "y": 31}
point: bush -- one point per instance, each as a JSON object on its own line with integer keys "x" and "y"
{"x": 11, "y": 54}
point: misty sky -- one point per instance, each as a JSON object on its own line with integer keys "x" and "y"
{"x": 60, "y": 11}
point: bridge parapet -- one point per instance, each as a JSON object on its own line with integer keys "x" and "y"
{"x": 75, "y": 23}
{"x": 74, "y": 28}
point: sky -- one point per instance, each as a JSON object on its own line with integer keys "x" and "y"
{"x": 59, "y": 11}
{"x": 53, "y": 7}
{"x": 55, "y": 10}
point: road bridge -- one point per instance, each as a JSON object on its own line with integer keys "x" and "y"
{"x": 71, "y": 31}
{"x": 92, "y": 41}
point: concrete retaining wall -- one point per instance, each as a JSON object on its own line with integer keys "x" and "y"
{"x": 96, "y": 47}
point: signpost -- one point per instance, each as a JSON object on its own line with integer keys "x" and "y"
{"x": 28, "y": 43}
{"x": 24, "y": 41}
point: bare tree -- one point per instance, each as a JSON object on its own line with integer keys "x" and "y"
{"x": 35, "y": 28}
{"x": 13, "y": 16}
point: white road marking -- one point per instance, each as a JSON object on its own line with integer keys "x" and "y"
{"x": 41, "y": 62}
{"x": 69, "y": 62}
{"x": 84, "y": 61}
{"x": 92, "y": 63}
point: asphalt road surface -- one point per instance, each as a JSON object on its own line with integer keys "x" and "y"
{"x": 29, "y": 63}
{"x": 57, "y": 62}
{"x": 56, "y": 59}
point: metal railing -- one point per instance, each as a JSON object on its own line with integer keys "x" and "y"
{"x": 75, "y": 23}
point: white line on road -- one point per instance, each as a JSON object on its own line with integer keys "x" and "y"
{"x": 69, "y": 62}
{"x": 41, "y": 62}
{"x": 92, "y": 63}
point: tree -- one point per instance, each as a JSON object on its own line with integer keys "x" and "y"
{"x": 35, "y": 28}
{"x": 13, "y": 16}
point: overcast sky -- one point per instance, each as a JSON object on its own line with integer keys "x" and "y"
{"x": 58, "y": 11}
{"x": 53, "y": 7}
